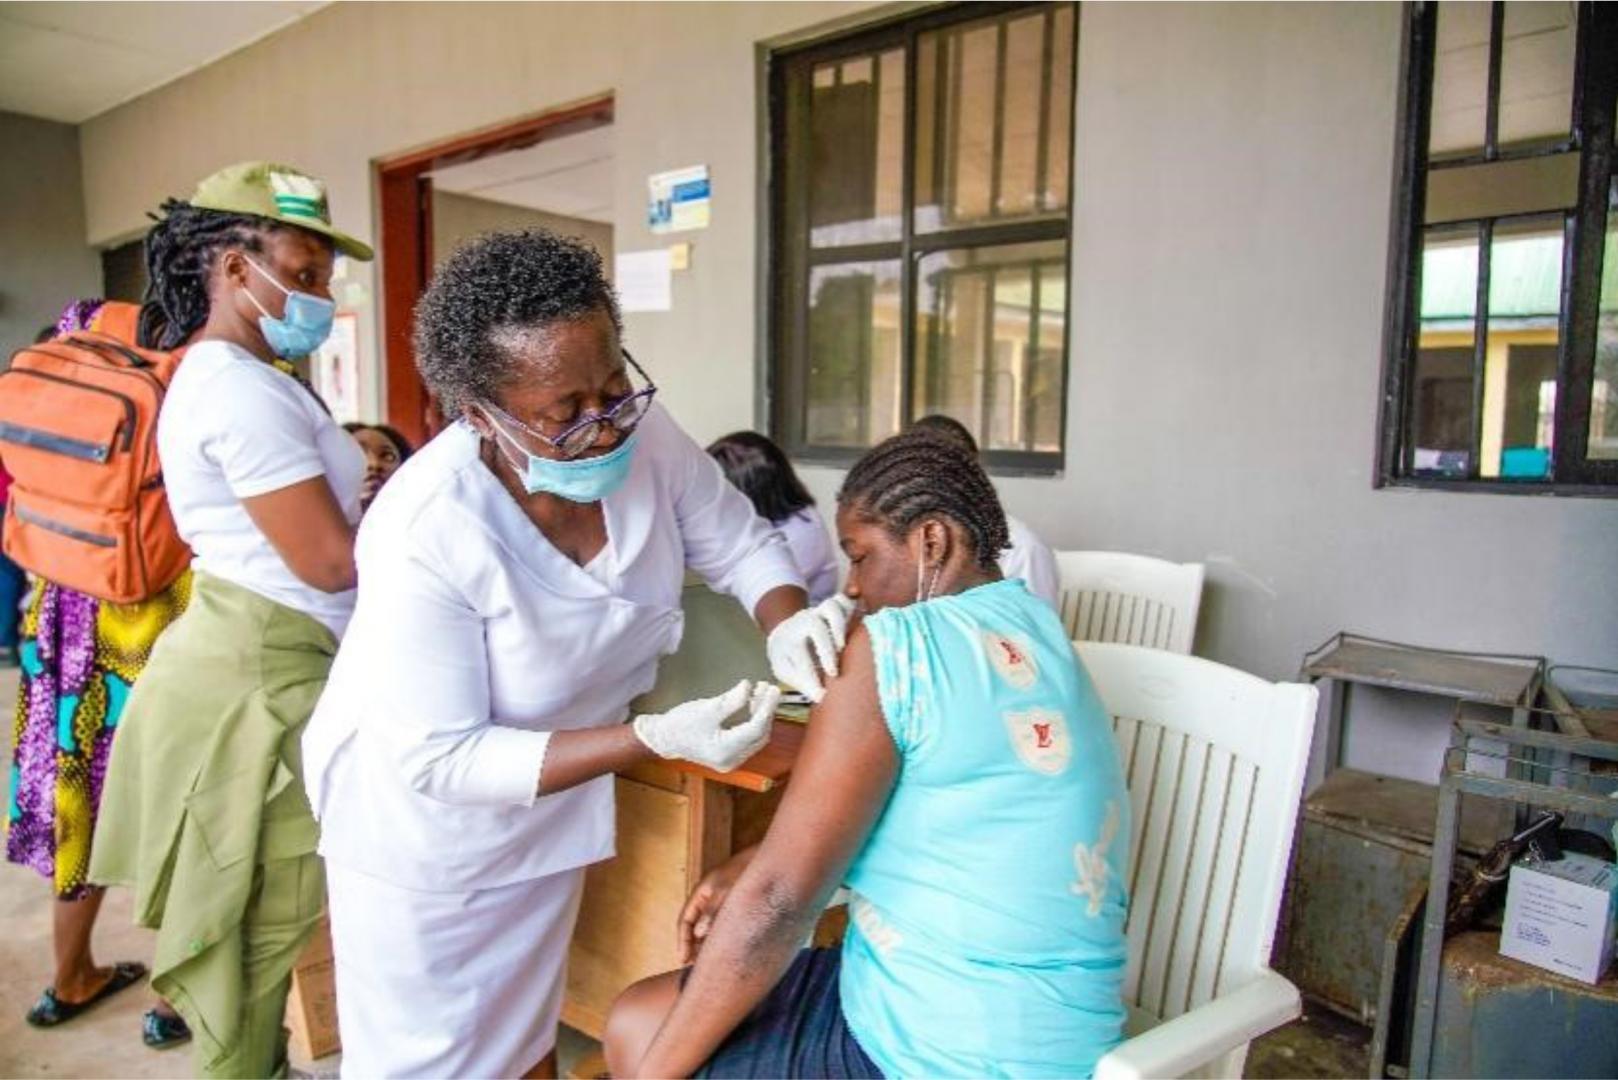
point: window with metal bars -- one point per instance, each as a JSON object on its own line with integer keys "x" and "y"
{"x": 1501, "y": 369}
{"x": 920, "y": 191}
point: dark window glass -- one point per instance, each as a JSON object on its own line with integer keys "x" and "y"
{"x": 920, "y": 232}
{"x": 1503, "y": 327}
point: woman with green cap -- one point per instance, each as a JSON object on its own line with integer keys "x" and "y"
{"x": 204, "y": 812}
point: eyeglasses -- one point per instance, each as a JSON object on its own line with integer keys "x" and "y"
{"x": 623, "y": 416}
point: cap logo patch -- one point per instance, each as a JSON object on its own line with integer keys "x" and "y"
{"x": 300, "y": 196}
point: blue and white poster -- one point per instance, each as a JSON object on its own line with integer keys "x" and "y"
{"x": 679, "y": 200}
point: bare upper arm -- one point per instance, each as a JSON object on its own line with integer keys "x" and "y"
{"x": 306, "y": 526}
{"x": 839, "y": 785}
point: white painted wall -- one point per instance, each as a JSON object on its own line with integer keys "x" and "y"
{"x": 1233, "y": 177}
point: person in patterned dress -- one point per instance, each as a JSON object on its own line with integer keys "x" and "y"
{"x": 79, "y": 659}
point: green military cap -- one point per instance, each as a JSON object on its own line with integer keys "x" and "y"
{"x": 279, "y": 193}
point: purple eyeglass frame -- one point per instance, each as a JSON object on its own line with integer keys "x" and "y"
{"x": 646, "y": 393}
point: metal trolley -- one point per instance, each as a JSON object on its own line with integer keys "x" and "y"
{"x": 1544, "y": 769}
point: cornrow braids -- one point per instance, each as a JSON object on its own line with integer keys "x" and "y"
{"x": 180, "y": 252}
{"x": 913, "y": 476}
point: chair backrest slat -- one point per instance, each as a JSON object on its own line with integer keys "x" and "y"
{"x": 1135, "y": 599}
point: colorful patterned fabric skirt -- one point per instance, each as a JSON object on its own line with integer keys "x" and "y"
{"x": 79, "y": 658}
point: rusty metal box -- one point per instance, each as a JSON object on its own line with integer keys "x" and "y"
{"x": 1364, "y": 843}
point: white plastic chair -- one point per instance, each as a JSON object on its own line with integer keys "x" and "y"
{"x": 1136, "y": 599}
{"x": 1215, "y": 760}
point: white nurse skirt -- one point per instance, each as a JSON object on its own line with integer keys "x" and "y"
{"x": 449, "y": 984}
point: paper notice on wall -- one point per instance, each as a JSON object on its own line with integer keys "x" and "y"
{"x": 334, "y": 368}
{"x": 678, "y": 200}
{"x": 643, "y": 279}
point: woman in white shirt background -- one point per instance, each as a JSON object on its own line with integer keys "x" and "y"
{"x": 207, "y": 821}
{"x": 760, "y": 469}
{"x": 1028, "y": 558}
{"x": 521, "y": 577}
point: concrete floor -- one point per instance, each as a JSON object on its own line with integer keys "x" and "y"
{"x": 103, "y": 1042}
{"x": 106, "y": 1041}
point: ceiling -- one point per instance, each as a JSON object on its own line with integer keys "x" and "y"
{"x": 572, "y": 175}
{"x": 71, "y": 61}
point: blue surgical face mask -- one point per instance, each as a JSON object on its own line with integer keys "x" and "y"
{"x": 305, "y": 322}
{"x": 583, "y": 480}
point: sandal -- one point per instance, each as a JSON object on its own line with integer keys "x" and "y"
{"x": 51, "y": 1010}
{"x": 160, "y": 1031}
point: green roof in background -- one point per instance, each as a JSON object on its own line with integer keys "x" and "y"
{"x": 1525, "y": 278}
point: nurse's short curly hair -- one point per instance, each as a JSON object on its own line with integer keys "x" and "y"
{"x": 499, "y": 284}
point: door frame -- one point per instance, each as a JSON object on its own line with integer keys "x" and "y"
{"x": 405, "y": 230}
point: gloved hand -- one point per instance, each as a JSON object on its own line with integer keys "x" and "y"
{"x": 813, "y": 634}
{"x": 695, "y": 731}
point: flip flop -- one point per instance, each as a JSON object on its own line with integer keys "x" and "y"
{"x": 51, "y": 1010}
{"x": 162, "y": 1032}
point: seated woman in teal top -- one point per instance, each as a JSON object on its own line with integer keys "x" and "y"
{"x": 961, "y": 778}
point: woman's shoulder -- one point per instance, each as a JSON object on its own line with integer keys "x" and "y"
{"x": 435, "y": 481}
{"x": 226, "y": 376}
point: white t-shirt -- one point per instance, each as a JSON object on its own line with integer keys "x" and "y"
{"x": 1030, "y": 559}
{"x": 233, "y": 427}
{"x": 812, "y": 551}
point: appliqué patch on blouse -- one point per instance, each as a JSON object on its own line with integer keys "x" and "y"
{"x": 1091, "y": 863}
{"x": 1041, "y": 739}
{"x": 1011, "y": 661}
{"x": 875, "y": 929}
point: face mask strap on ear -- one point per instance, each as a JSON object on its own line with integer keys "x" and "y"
{"x": 497, "y": 430}
{"x": 921, "y": 567}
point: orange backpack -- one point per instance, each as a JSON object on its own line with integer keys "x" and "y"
{"x": 78, "y": 434}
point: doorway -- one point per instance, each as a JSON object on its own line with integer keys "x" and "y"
{"x": 552, "y": 170}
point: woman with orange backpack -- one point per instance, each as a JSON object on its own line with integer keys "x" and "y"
{"x": 204, "y": 814}
{"x": 80, "y": 657}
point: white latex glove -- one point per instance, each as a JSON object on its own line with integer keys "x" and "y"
{"x": 813, "y": 634}
{"x": 695, "y": 731}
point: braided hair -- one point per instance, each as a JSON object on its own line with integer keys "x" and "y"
{"x": 914, "y": 476}
{"x": 940, "y": 426}
{"x": 180, "y": 252}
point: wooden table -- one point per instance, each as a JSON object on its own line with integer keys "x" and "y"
{"x": 676, "y": 821}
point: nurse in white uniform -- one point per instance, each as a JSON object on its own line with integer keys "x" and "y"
{"x": 519, "y": 579}
{"x": 761, "y": 471}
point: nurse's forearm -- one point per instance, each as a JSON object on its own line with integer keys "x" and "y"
{"x": 778, "y": 605}
{"x": 573, "y": 757}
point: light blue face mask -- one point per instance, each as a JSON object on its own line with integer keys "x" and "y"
{"x": 583, "y": 480}
{"x": 304, "y": 323}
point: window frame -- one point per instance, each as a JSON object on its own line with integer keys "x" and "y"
{"x": 1595, "y": 96}
{"x": 783, "y": 378}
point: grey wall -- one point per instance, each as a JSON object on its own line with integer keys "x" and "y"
{"x": 44, "y": 260}
{"x": 1233, "y": 174}
{"x": 1233, "y": 171}
{"x": 458, "y": 218}
{"x": 358, "y": 82}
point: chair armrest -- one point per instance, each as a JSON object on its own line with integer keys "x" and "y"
{"x": 1210, "y": 1030}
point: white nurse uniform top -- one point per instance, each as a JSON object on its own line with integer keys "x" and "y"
{"x": 473, "y": 639}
